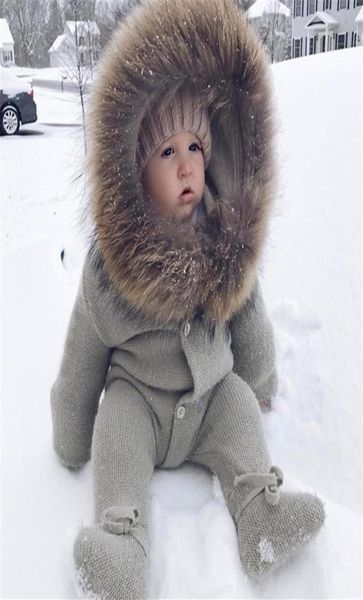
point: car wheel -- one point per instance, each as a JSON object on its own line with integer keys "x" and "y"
{"x": 10, "y": 121}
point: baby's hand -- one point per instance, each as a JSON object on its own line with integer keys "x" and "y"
{"x": 265, "y": 405}
{"x": 71, "y": 467}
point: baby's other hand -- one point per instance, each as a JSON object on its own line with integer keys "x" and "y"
{"x": 70, "y": 467}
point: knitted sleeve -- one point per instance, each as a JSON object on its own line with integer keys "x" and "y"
{"x": 76, "y": 392}
{"x": 253, "y": 347}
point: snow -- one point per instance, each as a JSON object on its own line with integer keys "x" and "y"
{"x": 52, "y": 76}
{"x": 312, "y": 286}
{"x": 322, "y": 17}
{"x": 5, "y": 33}
{"x": 57, "y": 43}
{"x": 10, "y": 84}
{"x": 266, "y": 551}
{"x": 83, "y": 27}
{"x": 46, "y": 74}
{"x": 59, "y": 108}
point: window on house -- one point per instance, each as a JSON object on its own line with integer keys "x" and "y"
{"x": 359, "y": 2}
{"x": 297, "y": 48}
{"x": 342, "y": 4}
{"x": 298, "y": 8}
{"x": 341, "y": 41}
{"x": 81, "y": 40}
{"x": 7, "y": 56}
{"x": 311, "y": 7}
{"x": 312, "y": 45}
{"x": 327, "y": 5}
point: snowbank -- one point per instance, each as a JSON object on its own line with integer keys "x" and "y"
{"x": 312, "y": 286}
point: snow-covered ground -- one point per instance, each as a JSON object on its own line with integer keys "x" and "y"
{"x": 48, "y": 74}
{"x": 311, "y": 278}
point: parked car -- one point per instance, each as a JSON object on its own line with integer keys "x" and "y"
{"x": 16, "y": 102}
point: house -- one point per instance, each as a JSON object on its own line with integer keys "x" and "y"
{"x": 83, "y": 36}
{"x": 6, "y": 44}
{"x": 324, "y": 25}
{"x": 270, "y": 20}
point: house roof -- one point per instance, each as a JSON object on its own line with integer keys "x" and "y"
{"x": 359, "y": 17}
{"x": 83, "y": 26}
{"x": 57, "y": 43}
{"x": 269, "y": 7}
{"x": 5, "y": 33}
{"x": 320, "y": 18}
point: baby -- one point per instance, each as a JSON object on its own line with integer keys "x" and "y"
{"x": 174, "y": 149}
{"x": 169, "y": 319}
{"x": 174, "y": 175}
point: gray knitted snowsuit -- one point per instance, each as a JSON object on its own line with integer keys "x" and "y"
{"x": 169, "y": 319}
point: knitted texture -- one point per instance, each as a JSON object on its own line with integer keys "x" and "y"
{"x": 231, "y": 443}
{"x": 85, "y": 360}
{"x": 270, "y": 535}
{"x": 208, "y": 415}
{"x": 159, "y": 384}
{"x": 106, "y": 341}
{"x": 123, "y": 463}
{"x": 109, "y": 566}
{"x": 250, "y": 359}
{"x": 183, "y": 112}
{"x": 231, "y": 440}
{"x": 110, "y": 558}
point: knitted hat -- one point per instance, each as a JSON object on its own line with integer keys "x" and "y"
{"x": 183, "y": 112}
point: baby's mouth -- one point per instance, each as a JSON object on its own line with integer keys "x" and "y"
{"x": 186, "y": 195}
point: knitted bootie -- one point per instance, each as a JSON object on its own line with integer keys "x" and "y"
{"x": 272, "y": 526}
{"x": 110, "y": 558}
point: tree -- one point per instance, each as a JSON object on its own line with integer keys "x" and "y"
{"x": 25, "y": 18}
{"x": 271, "y": 28}
{"x": 55, "y": 23}
{"x": 81, "y": 50}
{"x": 243, "y": 5}
{"x": 109, "y": 16}
{"x": 85, "y": 9}
{"x": 106, "y": 21}
{"x": 123, "y": 8}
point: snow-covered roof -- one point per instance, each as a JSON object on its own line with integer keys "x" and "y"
{"x": 359, "y": 17}
{"x": 321, "y": 17}
{"x": 88, "y": 26}
{"x": 5, "y": 33}
{"x": 269, "y": 7}
{"x": 57, "y": 43}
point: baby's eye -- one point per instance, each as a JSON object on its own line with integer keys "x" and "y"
{"x": 167, "y": 152}
{"x": 194, "y": 147}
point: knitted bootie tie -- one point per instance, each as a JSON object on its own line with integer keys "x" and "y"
{"x": 110, "y": 558}
{"x": 271, "y": 526}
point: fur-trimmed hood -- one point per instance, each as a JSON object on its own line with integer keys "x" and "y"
{"x": 171, "y": 271}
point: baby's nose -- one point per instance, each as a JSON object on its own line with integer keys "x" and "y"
{"x": 185, "y": 168}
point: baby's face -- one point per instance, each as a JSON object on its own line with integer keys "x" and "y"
{"x": 175, "y": 167}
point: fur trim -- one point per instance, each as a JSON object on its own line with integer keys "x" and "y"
{"x": 166, "y": 269}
